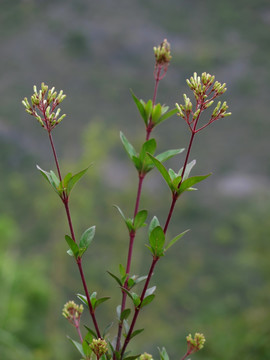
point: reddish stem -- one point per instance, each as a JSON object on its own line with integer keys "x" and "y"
{"x": 137, "y": 309}
{"x": 65, "y": 202}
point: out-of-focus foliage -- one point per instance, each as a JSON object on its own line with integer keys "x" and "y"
{"x": 217, "y": 278}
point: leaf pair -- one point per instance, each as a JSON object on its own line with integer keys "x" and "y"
{"x": 176, "y": 183}
{"x": 66, "y": 185}
{"x": 141, "y": 161}
{"x": 85, "y": 240}
{"x": 157, "y": 239}
{"x": 93, "y": 299}
{"x": 152, "y": 115}
{"x": 137, "y": 222}
{"x": 138, "y": 303}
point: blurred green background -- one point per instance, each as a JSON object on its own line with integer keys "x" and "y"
{"x": 216, "y": 280}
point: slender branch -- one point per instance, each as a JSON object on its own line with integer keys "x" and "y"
{"x": 138, "y": 197}
{"x": 55, "y": 156}
{"x": 137, "y": 309}
{"x": 66, "y": 205}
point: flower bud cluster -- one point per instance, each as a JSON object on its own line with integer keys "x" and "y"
{"x": 43, "y": 104}
{"x": 205, "y": 90}
{"x": 99, "y": 347}
{"x": 195, "y": 344}
{"x": 72, "y": 312}
{"x": 146, "y": 356}
{"x": 163, "y": 53}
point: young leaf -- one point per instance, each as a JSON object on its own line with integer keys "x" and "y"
{"x": 161, "y": 168}
{"x": 125, "y": 314}
{"x": 85, "y": 345}
{"x": 157, "y": 240}
{"x": 166, "y": 155}
{"x": 128, "y": 222}
{"x": 48, "y": 177}
{"x": 100, "y": 301}
{"x": 115, "y": 278}
{"x": 135, "y": 333}
{"x": 74, "y": 179}
{"x": 93, "y": 299}
{"x": 163, "y": 354}
{"x": 167, "y": 115}
{"x": 188, "y": 183}
{"x": 156, "y": 113}
{"x": 140, "y": 107}
{"x": 122, "y": 270}
{"x": 77, "y": 345}
{"x": 140, "y": 279}
{"x": 91, "y": 331}
{"x": 73, "y": 246}
{"x": 128, "y": 147}
{"x": 136, "y": 299}
{"x": 147, "y": 300}
{"x": 187, "y": 170}
{"x": 153, "y": 224}
{"x": 87, "y": 237}
{"x": 176, "y": 238}
{"x": 83, "y": 299}
{"x": 140, "y": 219}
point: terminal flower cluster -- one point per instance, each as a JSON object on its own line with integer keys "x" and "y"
{"x": 205, "y": 90}
{"x": 43, "y": 106}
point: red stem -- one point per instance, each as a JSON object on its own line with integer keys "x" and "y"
{"x": 65, "y": 202}
{"x": 133, "y": 234}
{"x": 137, "y": 309}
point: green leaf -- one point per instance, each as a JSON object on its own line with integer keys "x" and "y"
{"x": 166, "y": 155}
{"x": 163, "y": 354}
{"x": 73, "y": 246}
{"x": 140, "y": 219}
{"x": 77, "y": 345}
{"x": 166, "y": 116}
{"x": 125, "y": 314}
{"x": 135, "y": 333}
{"x": 147, "y": 300}
{"x": 148, "y": 109}
{"x": 87, "y": 237}
{"x": 115, "y": 277}
{"x": 74, "y": 179}
{"x": 136, "y": 299}
{"x": 140, "y": 107}
{"x": 48, "y": 176}
{"x": 188, "y": 183}
{"x": 85, "y": 345}
{"x": 83, "y": 299}
{"x": 100, "y": 301}
{"x": 146, "y": 163}
{"x": 161, "y": 168}
{"x": 156, "y": 113}
{"x": 187, "y": 170}
{"x": 93, "y": 299}
{"x": 176, "y": 238}
{"x": 157, "y": 240}
{"x": 133, "y": 357}
{"x": 122, "y": 270}
{"x": 128, "y": 222}
{"x": 153, "y": 224}
{"x": 128, "y": 147}
{"x": 55, "y": 179}
{"x": 91, "y": 331}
